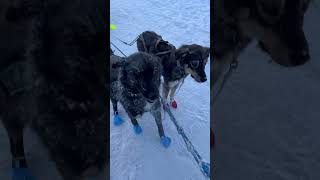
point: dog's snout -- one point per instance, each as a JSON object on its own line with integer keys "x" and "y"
{"x": 203, "y": 79}
{"x": 300, "y": 58}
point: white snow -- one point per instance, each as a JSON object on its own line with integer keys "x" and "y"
{"x": 142, "y": 157}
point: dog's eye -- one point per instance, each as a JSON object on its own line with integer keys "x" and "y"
{"x": 194, "y": 63}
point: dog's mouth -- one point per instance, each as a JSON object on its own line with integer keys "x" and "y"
{"x": 199, "y": 79}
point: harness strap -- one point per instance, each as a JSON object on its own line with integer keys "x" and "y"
{"x": 129, "y": 44}
{"x": 144, "y": 43}
{"x": 157, "y": 43}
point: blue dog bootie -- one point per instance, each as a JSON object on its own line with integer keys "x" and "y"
{"x": 165, "y": 141}
{"x": 137, "y": 129}
{"x": 117, "y": 120}
{"x": 22, "y": 174}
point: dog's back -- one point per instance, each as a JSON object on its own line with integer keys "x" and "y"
{"x": 147, "y": 41}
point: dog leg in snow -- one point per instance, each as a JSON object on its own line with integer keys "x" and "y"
{"x": 164, "y": 140}
{"x": 117, "y": 120}
{"x": 19, "y": 163}
{"x": 172, "y": 93}
{"x": 165, "y": 93}
{"x": 165, "y": 90}
{"x": 136, "y": 127}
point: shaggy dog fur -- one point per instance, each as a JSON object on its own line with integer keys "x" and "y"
{"x": 189, "y": 59}
{"x": 135, "y": 84}
{"x": 151, "y": 42}
{"x": 53, "y": 75}
{"x": 177, "y": 63}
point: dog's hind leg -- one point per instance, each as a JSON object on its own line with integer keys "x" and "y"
{"x": 156, "y": 112}
{"x": 117, "y": 120}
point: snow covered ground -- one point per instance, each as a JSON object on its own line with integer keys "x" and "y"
{"x": 267, "y": 119}
{"x": 141, "y": 157}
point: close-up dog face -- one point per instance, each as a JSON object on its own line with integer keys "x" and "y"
{"x": 278, "y": 27}
{"x": 143, "y": 77}
{"x": 195, "y": 60}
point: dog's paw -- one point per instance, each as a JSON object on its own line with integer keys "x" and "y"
{"x": 174, "y": 104}
{"x": 117, "y": 120}
{"x": 165, "y": 141}
{"x": 137, "y": 129}
{"x": 22, "y": 174}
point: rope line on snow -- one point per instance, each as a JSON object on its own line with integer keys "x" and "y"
{"x": 130, "y": 43}
{"x": 118, "y": 49}
{"x": 204, "y": 166}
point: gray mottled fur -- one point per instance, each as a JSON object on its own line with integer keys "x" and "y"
{"x": 126, "y": 78}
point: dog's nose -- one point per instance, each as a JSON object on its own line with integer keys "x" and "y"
{"x": 301, "y": 57}
{"x": 204, "y": 79}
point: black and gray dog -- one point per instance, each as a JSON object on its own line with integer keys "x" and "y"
{"x": 277, "y": 26}
{"x": 177, "y": 63}
{"x": 135, "y": 83}
{"x": 53, "y": 76}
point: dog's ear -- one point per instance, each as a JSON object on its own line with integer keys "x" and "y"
{"x": 182, "y": 52}
{"x": 206, "y": 52}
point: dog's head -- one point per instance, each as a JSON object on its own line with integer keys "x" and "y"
{"x": 194, "y": 59}
{"x": 278, "y": 27}
{"x": 141, "y": 74}
{"x": 163, "y": 46}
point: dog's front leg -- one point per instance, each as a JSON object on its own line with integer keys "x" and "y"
{"x": 156, "y": 112}
{"x": 157, "y": 116}
{"x": 172, "y": 94}
{"x": 165, "y": 93}
{"x": 19, "y": 163}
{"x": 165, "y": 90}
{"x": 117, "y": 120}
{"x": 136, "y": 127}
{"x": 173, "y": 91}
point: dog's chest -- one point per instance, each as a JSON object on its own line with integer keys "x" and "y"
{"x": 148, "y": 106}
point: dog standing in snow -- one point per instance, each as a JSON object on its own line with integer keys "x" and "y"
{"x": 135, "y": 83}
{"x": 177, "y": 63}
